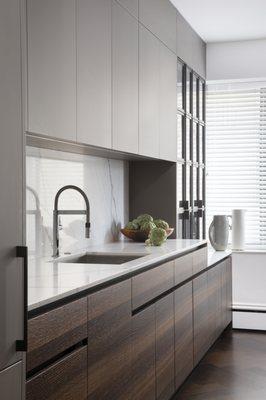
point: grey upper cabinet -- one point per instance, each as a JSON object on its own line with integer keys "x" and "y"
{"x": 124, "y": 80}
{"x": 157, "y": 98}
{"x": 11, "y": 178}
{"x": 149, "y": 93}
{"x": 159, "y": 16}
{"x": 131, "y": 5}
{"x": 190, "y": 47}
{"x": 94, "y": 72}
{"x": 168, "y": 104}
{"x": 52, "y": 68}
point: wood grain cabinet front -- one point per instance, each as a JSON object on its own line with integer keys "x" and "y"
{"x": 200, "y": 260}
{"x": 143, "y": 384}
{"x": 109, "y": 343}
{"x": 55, "y": 331}
{"x": 64, "y": 380}
{"x": 152, "y": 283}
{"x": 183, "y": 268}
{"x": 200, "y": 316}
{"x": 165, "y": 345}
{"x": 183, "y": 333}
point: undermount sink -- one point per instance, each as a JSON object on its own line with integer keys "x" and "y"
{"x": 100, "y": 258}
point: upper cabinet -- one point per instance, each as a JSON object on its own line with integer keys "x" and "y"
{"x": 52, "y": 68}
{"x": 131, "y": 5}
{"x": 149, "y": 93}
{"x": 157, "y": 98}
{"x": 159, "y": 16}
{"x": 94, "y": 72}
{"x": 124, "y": 79}
{"x": 168, "y": 104}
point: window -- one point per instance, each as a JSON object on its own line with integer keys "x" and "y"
{"x": 236, "y": 154}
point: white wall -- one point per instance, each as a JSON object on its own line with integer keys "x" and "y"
{"x": 249, "y": 290}
{"x": 104, "y": 181}
{"x": 236, "y": 60}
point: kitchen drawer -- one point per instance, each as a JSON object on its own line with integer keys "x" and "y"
{"x": 200, "y": 260}
{"x": 183, "y": 268}
{"x": 152, "y": 283}
{"x": 64, "y": 380}
{"x": 55, "y": 331}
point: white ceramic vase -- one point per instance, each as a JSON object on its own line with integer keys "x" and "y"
{"x": 238, "y": 229}
{"x": 219, "y": 232}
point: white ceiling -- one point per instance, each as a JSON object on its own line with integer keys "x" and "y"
{"x": 225, "y": 20}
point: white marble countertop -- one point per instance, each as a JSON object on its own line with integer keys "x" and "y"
{"x": 216, "y": 256}
{"x": 50, "y": 281}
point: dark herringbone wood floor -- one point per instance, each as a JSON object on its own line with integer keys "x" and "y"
{"x": 234, "y": 369}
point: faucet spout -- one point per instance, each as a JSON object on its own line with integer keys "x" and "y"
{"x": 57, "y": 212}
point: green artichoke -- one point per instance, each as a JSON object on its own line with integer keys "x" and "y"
{"x": 144, "y": 218}
{"x": 147, "y": 226}
{"x": 157, "y": 237}
{"x": 160, "y": 223}
{"x": 132, "y": 225}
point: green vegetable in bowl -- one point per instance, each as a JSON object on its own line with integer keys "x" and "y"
{"x": 160, "y": 223}
{"x": 147, "y": 226}
{"x": 157, "y": 237}
{"x": 144, "y": 218}
{"x": 133, "y": 225}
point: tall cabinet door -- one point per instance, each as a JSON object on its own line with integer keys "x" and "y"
{"x": 94, "y": 72}
{"x": 52, "y": 68}
{"x": 125, "y": 79}
{"x": 183, "y": 333}
{"x": 149, "y": 87}
{"x": 168, "y": 104}
{"x": 11, "y": 167}
{"x": 165, "y": 344}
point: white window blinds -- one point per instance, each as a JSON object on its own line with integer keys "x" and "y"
{"x": 236, "y": 154}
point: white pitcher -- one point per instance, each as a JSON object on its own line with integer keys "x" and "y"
{"x": 219, "y": 232}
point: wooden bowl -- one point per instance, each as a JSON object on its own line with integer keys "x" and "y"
{"x": 141, "y": 236}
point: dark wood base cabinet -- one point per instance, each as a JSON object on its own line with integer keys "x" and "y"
{"x": 138, "y": 339}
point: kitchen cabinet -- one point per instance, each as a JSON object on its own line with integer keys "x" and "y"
{"x": 109, "y": 350}
{"x": 149, "y": 93}
{"x": 11, "y": 382}
{"x": 165, "y": 347}
{"x": 124, "y": 80}
{"x": 157, "y": 98}
{"x": 183, "y": 333}
{"x": 11, "y": 200}
{"x": 159, "y": 16}
{"x": 183, "y": 268}
{"x": 52, "y": 68}
{"x": 94, "y": 72}
{"x": 66, "y": 379}
{"x": 215, "y": 303}
{"x": 168, "y": 104}
{"x": 131, "y": 5}
{"x": 143, "y": 384}
{"x": 53, "y": 332}
{"x": 200, "y": 316}
{"x": 152, "y": 283}
{"x": 226, "y": 272}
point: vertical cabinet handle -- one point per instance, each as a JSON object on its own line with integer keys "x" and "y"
{"x": 22, "y": 252}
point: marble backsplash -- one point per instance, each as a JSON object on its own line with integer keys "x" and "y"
{"x": 105, "y": 182}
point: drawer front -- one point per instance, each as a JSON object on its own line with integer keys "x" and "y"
{"x": 152, "y": 283}
{"x": 200, "y": 260}
{"x": 183, "y": 268}
{"x": 64, "y": 380}
{"x": 55, "y": 331}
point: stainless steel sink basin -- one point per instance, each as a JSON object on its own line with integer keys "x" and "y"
{"x": 100, "y": 258}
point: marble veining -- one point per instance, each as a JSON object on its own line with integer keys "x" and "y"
{"x": 104, "y": 181}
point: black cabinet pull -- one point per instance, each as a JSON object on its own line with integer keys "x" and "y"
{"x": 22, "y": 252}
